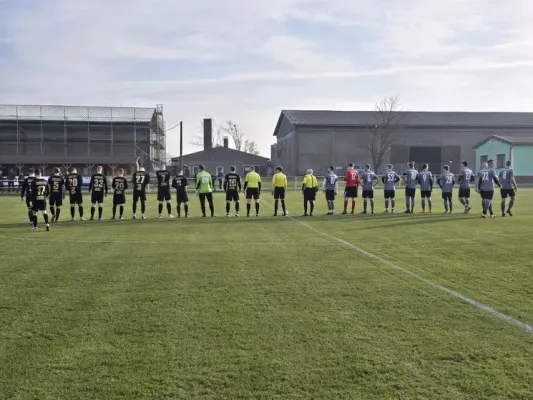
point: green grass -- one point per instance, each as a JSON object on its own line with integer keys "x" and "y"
{"x": 266, "y": 308}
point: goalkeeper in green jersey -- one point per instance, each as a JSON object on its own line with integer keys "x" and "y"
{"x": 204, "y": 188}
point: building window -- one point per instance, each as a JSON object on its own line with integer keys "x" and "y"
{"x": 483, "y": 159}
{"x": 500, "y": 161}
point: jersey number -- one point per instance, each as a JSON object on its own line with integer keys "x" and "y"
{"x": 424, "y": 177}
{"x": 119, "y": 186}
{"x": 413, "y": 175}
{"x": 233, "y": 182}
{"x": 391, "y": 177}
{"x": 205, "y": 179}
{"x": 41, "y": 190}
{"x": 485, "y": 176}
{"x": 449, "y": 179}
{"x": 73, "y": 182}
{"x": 56, "y": 186}
{"x": 504, "y": 174}
{"x": 98, "y": 184}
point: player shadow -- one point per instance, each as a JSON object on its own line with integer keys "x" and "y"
{"x": 430, "y": 219}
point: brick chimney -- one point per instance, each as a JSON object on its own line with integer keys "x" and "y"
{"x": 226, "y": 142}
{"x": 208, "y": 133}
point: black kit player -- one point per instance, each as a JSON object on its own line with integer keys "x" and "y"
{"x": 56, "y": 184}
{"x": 119, "y": 186}
{"x": 180, "y": 184}
{"x": 98, "y": 189}
{"x": 163, "y": 192}
{"x": 73, "y": 184}
{"x": 39, "y": 192}
{"x": 232, "y": 187}
{"x": 141, "y": 179}
{"x": 26, "y": 191}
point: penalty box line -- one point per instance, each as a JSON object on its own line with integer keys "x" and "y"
{"x": 483, "y": 307}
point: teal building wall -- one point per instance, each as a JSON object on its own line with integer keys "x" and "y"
{"x": 521, "y": 156}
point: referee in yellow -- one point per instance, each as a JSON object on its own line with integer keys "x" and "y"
{"x": 309, "y": 189}
{"x": 279, "y": 188}
{"x": 252, "y": 188}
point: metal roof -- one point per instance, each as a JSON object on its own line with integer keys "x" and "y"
{"x": 515, "y": 140}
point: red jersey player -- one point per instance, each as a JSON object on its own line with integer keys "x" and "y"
{"x": 351, "y": 179}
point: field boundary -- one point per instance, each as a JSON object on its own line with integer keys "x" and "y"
{"x": 483, "y": 307}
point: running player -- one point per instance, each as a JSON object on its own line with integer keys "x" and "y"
{"x": 141, "y": 179}
{"x": 73, "y": 185}
{"x": 369, "y": 179}
{"x": 279, "y": 190}
{"x": 425, "y": 180}
{"x": 204, "y": 189}
{"x": 351, "y": 179}
{"x": 56, "y": 184}
{"x": 309, "y": 189}
{"x": 509, "y": 188}
{"x": 252, "y": 187}
{"x": 331, "y": 187}
{"x": 27, "y": 185}
{"x": 465, "y": 179}
{"x": 410, "y": 177}
{"x": 485, "y": 186}
{"x": 163, "y": 192}
{"x": 119, "y": 185}
{"x": 390, "y": 179}
{"x": 39, "y": 193}
{"x": 180, "y": 184}
{"x": 232, "y": 187}
{"x": 98, "y": 189}
{"x": 446, "y": 181}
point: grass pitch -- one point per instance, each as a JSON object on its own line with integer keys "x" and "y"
{"x": 266, "y": 308}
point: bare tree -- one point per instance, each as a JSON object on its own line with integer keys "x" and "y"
{"x": 235, "y": 133}
{"x": 216, "y": 140}
{"x": 251, "y": 147}
{"x": 231, "y": 130}
{"x": 383, "y": 132}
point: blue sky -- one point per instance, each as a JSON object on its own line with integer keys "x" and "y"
{"x": 245, "y": 60}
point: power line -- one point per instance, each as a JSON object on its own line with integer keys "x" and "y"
{"x": 175, "y": 126}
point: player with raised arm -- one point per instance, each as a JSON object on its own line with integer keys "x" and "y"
{"x": 141, "y": 179}
{"x": 39, "y": 194}
{"x": 425, "y": 180}
{"x": 163, "y": 192}
{"x": 369, "y": 179}
{"x": 465, "y": 179}
{"x": 309, "y": 190}
{"x": 410, "y": 178}
{"x": 331, "y": 187}
{"x": 351, "y": 181}
{"x": 390, "y": 179}
{"x": 73, "y": 184}
{"x": 119, "y": 186}
{"x": 26, "y": 190}
{"x": 232, "y": 186}
{"x": 98, "y": 189}
{"x": 56, "y": 184}
{"x": 508, "y": 188}
{"x": 252, "y": 188}
{"x": 446, "y": 181}
{"x": 279, "y": 190}
{"x": 204, "y": 189}
{"x": 485, "y": 186}
{"x": 180, "y": 184}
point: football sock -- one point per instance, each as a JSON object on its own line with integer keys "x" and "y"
{"x": 160, "y": 208}
{"x": 30, "y": 215}
{"x": 490, "y": 208}
{"x": 211, "y": 206}
{"x": 100, "y": 212}
{"x": 386, "y": 204}
{"x": 305, "y": 206}
{"x": 45, "y": 216}
{"x": 503, "y": 206}
{"x": 178, "y": 209}
{"x": 312, "y": 208}
{"x": 511, "y": 203}
{"x": 143, "y": 206}
{"x": 34, "y": 220}
{"x": 353, "y": 205}
{"x": 463, "y": 202}
{"x": 80, "y": 209}
{"x": 364, "y": 205}
{"x": 114, "y": 210}
{"x": 392, "y": 204}
{"x": 93, "y": 209}
{"x": 275, "y": 207}
{"x": 237, "y": 206}
{"x": 282, "y": 206}
{"x": 372, "y": 204}
{"x": 345, "y": 205}
{"x": 72, "y": 211}
{"x": 451, "y": 206}
{"x": 228, "y": 207}
{"x": 430, "y": 204}
{"x": 169, "y": 208}
{"x": 53, "y": 211}
{"x": 186, "y": 209}
{"x": 248, "y": 207}
{"x": 257, "y": 208}
{"x": 446, "y": 205}
{"x": 58, "y": 211}
{"x": 423, "y": 205}
{"x": 134, "y": 208}
{"x": 121, "y": 211}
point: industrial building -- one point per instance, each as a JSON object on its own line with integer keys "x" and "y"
{"x": 317, "y": 139}
{"x": 84, "y": 137}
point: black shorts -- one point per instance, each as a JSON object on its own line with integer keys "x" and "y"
{"x": 279, "y": 193}
{"x": 232, "y": 195}
{"x": 488, "y": 195}
{"x": 425, "y": 194}
{"x": 447, "y": 196}
{"x": 309, "y": 194}
{"x": 56, "y": 200}
{"x": 97, "y": 197}
{"x": 182, "y": 197}
{"x": 39, "y": 205}
{"x": 139, "y": 196}
{"x": 350, "y": 192}
{"x": 119, "y": 199}
{"x": 76, "y": 198}
{"x": 409, "y": 192}
{"x": 368, "y": 194}
{"x": 163, "y": 194}
{"x": 330, "y": 195}
{"x": 464, "y": 193}
{"x": 252, "y": 193}
{"x": 389, "y": 194}
{"x": 507, "y": 193}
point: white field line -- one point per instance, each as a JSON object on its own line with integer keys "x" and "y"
{"x": 507, "y": 318}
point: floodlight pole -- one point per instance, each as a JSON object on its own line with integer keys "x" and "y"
{"x": 181, "y": 145}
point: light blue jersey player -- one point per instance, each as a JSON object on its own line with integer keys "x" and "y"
{"x": 509, "y": 188}
{"x": 446, "y": 182}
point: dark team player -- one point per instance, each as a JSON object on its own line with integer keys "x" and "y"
{"x": 39, "y": 191}
{"x": 56, "y": 184}
{"x": 73, "y": 185}
{"x": 232, "y": 187}
{"x": 98, "y": 189}
{"x": 180, "y": 184}
{"x": 26, "y": 190}
{"x": 163, "y": 191}
{"x": 140, "y": 181}
{"x": 119, "y": 185}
